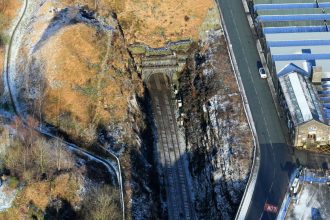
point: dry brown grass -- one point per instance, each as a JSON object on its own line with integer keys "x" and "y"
{"x": 154, "y": 22}
{"x": 68, "y": 64}
{"x": 85, "y": 93}
{"x": 8, "y": 8}
{"x": 39, "y": 193}
{"x": 8, "y": 11}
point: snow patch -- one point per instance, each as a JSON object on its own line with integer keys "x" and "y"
{"x": 7, "y": 197}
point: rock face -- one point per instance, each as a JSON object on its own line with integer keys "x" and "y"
{"x": 216, "y": 129}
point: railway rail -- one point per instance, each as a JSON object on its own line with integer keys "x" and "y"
{"x": 171, "y": 150}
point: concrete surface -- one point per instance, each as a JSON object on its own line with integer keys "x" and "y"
{"x": 313, "y": 200}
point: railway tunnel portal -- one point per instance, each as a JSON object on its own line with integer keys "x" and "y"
{"x": 160, "y": 69}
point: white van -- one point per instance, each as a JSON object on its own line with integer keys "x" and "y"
{"x": 295, "y": 186}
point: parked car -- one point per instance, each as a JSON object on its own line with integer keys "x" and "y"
{"x": 262, "y": 73}
{"x": 261, "y": 70}
{"x": 295, "y": 186}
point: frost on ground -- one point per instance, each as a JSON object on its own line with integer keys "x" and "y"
{"x": 64, "y": 71}
{"x": 7, "y": 196}
{"x": 216, "y": 130}
{"x": 313, "y": 203}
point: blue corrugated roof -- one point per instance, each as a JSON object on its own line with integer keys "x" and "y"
{"x": 306, "y": 56}
{"x": 324, "y": 5}
{"x": 297, "y": 43}
{"x": 257, "y": 7}
{"x": 294, "y": 29}
{"x": 326, "y": 99}
{"x": 323, "y": 92}
{"x": 300, "y": 17}
{"x": 292, "y": 68}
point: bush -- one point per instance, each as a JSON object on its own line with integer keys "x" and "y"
{"x": 101, "y": 203}
{"x": 3, "y": 39}
{"x": 13, "y": 182}
{"x": 35, "y": 213}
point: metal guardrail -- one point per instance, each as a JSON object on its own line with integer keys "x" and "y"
{"x": 73, "y": 146}
{"x": 283, "y": 211}
{"x": 313, "y": 179}
{"x": 247, "y": 196}
{"x": 120, "y": 182}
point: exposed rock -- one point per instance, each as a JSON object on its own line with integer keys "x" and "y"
{"x": 216, "y": 129}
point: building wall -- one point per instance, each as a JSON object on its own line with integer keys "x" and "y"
{"x": 311, "y": 134}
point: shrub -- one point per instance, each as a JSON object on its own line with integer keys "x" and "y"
{"x": 101, "y": 203}
{"x": 35, "y": 212}
{"x": 13, "y": 182}
{"x": 3, "y": 39}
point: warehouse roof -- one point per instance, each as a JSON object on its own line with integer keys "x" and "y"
{"x": 323, "y": 49}
{"x": 300, "y": 97}
{"x": 291, "y": 11}
{"x": 295, "y": 29}
{"x": 302, "y": 64}
{"x": 281, "y": 1}
{"x": 298, "y": 36}
{"x": 292, "y": 23}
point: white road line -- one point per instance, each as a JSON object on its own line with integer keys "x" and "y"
{"x": 259, "y": 102}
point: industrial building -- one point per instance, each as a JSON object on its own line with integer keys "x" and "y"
{"x": 295, "y": 36}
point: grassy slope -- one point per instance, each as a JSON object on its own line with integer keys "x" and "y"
{"x": 8, "y": 11}
{"x": 154, "y": 22}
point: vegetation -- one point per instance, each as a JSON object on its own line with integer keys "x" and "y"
{"x": 3, "y": 39}
{"x": 159, "y": 52}
{"x": 5, "y": 17}
{"x": 13, "y": 182}
{"x": 181, "y": 46}
{"x": 137, "y": 49}
{"x": 101, "y": 204}
{"x": 31, "y": 158}
{"x": 49, "y": 180}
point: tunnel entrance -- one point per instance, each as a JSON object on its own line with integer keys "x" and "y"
{"x": 168, "y": 65}
{"x": 159, "y": 69}
{"x": 158, "y": 81}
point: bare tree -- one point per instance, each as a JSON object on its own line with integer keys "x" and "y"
{"x": 63, "y": 158}
{"x": 42, "y": 156}
{"x": 101, "y": 203}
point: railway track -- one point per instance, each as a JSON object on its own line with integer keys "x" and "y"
{"x": 171, "y": 150}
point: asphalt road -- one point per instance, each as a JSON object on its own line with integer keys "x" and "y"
{"x": 276, "y": 158}
{"x": 171, "y": 150}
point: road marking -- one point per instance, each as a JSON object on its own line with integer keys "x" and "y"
{"x": 258, "y": 100}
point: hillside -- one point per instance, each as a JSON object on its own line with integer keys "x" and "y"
{"x": 8, "y": 11}
{"x": 154, "y": 22}
{"x": 72, "y": 70}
